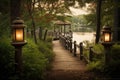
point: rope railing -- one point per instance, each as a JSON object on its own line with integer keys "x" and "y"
{"x": 73, "y": 46}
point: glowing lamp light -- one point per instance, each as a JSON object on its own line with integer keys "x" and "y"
{"x": 107, "y": 43}
{"x": 18, "y": 41}
{"x": 18, "y": 30}
{"x": 106, "y": 33}
{"x": 19, "y": 35}
{"x": 107, "y": 37}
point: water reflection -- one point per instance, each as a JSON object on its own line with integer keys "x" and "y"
{"x": 82, "y": 36}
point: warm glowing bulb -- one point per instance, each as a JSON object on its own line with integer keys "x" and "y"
{"x": 19, "y": 35}
{"x": 107, "y": 37}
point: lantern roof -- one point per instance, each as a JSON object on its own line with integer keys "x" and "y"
{"x": 18, "y": 23}
{"x": 106, "y": 28}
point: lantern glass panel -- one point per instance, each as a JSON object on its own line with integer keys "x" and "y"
{"x": 107, "y": 37}
{"x": 19, "y": 35}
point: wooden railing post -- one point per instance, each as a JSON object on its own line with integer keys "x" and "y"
{"x": 62, "y": 40}
{"x": 74, "y": 48}
{"x": 65, "y": 43}
{"x": 71, "y": 45}
{"x": 81, "y": 50}
{"x": 90, "y": 54}
{"x": 68, "y": 44}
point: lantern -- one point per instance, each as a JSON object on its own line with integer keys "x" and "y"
{"x": 106, "y": 34}
{"x": 18, "y": 41}
{"x": 107, "y": 43}
{"x": 18, "y": 30}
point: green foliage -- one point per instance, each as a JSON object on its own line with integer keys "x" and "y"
{"x": 91, "y": 20}
{"x": 98, "y": 48}
{"x": 113, "y": 69}
{"x": 96, "y": 66}
{"x": 6, "y": 59}
{"x": 107, "y": 11}
{"x": 83, "y": 23}
{"x": 116, "y": 52}
{"x": 4, "y": 25}
{"x": 4, "y": 6}
{"x": 36, "y": 60}
{"x": 97, "y": 63}
{"x": 49, "y": 39}
{"x": 45, "y": 48}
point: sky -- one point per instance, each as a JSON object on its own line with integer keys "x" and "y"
{"x": 78, "y": 11}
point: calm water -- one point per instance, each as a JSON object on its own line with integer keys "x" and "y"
{"x": 82, "y": 36}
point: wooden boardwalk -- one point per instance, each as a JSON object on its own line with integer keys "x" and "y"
{"x": 66, "y": 66}
{"x": 64, "y": 60}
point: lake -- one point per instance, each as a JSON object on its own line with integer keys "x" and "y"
{"x": 82, "y": 36}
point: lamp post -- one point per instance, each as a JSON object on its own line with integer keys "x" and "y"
{"x": 107, "y": 42}
{"x": 18, "y": 40}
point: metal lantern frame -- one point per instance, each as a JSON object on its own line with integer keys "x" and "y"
{"x": 106, "y": 34}
{"x": 18, "y": 40}
{"x": 107, "y": 42}
{"x": 18, "y": 33}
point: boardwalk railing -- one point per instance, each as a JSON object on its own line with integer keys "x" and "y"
{"x": 86, "y": 54}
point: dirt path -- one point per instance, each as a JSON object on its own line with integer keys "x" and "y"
{"x": 66, "y": 66}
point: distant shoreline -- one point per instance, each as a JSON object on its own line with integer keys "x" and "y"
{"x": 83, "y": 36}
{"x": 84, "y": 33}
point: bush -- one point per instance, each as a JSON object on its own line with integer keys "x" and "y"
{"x": 6, "y": 59}
{"x": 49, "y": 39}
{"x": 98, "y": 48}
{"x": 115, "y": 52}
{"x": 36, "y": 60}
{"x": 113, "y": 69}
{"x": 97, "y": 65}
{"x": 45, "y": 48}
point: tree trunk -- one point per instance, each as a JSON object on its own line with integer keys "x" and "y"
{"x": 40, "y": 33}
{"x": 30, "y": 7}
{"x": 98, "y": 13}
{"x": 15, "y": 9}
{"x": 45, "y": 35}
{"x": 116, "y": 28}
{"x": 34, "y": 34}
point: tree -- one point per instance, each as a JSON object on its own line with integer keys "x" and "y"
{"x": 30, "y": 5}
{"x": 91, "y": 20}
{"x": 43, "y": 12}
{"x": 98, "y": 13}
{"x": 116, "y": 36}
{"x": 15, "y": 9}
{"x": 4, "y": 6}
